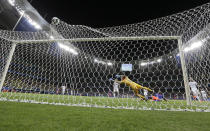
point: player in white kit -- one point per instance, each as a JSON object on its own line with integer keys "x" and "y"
{"x": 204, "y": 95}
{"x": 116, "y": 88}
{"x": 63, "y": 89}
{"x": 194, "y": 89}
{"x": 146, "y": 94}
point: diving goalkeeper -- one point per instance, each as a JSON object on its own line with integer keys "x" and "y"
{"x": 134, "y": 86}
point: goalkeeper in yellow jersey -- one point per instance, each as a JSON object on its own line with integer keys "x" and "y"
{"x": 134, "y": 86}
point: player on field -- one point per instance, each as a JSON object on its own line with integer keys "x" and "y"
{"x": 63, "y": 90}
{"x": 146, "y": 94}
{"x": 134, "y": 86}
{"x": 204, "y": 95}
{"x": 154, "y": 98}
{"x": 194, "y": 89}
{"x": 116, "y": 88}
{"x": 157, "y": 97}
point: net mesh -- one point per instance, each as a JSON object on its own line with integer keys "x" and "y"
{"x": 79, "y": 65}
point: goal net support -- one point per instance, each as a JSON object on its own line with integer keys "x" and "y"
{"x": 77, "y": 65}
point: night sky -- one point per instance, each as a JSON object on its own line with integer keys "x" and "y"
{"x": 104, "y": 13}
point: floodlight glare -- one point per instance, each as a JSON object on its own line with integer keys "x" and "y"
{"x": 12, "y": 2}
{"x": 32, "y": 22}
{"x": 51, "y": 37}
{"x": 159, "y": 60}
{"x": 95, "y": 60}
{"x": 67, "y": 48}
{"x": 187, "y": 49}
{"x": 37, "y": 26}
{"x": 196, "y": 45}
{"x": 109, "y": 64}
{"x": 193, "y": 46}
{"x": 143, "y": 64}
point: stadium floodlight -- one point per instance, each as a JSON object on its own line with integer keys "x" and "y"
{"x": 36, "y": 25}
{"x": 193, "y": 46}
{"x": 109, "y": 64}
{"x": 21, "y": 12}
{"x": 32, "y": 22}
{"x": 144, "y": 64}
{"x": 67, "y": 48}
{"x": 102, "y": 62}
{"x": 12, "y": 2}
{"x": 159, "y": 60}
{"x": 151, "y": 62}
{"x": 95, "y": 60}
{"x": 51, "y": 37}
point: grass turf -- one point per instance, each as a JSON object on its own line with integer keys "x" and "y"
{"x": 36, "y": 117}
{"x": 106, "y": 101}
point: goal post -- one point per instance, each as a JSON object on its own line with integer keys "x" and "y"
{"x": 76, "y": 61}
{"x": 6, "y": 67}
{"x": 72, "y": 72}
{"x": 185, "y": 74}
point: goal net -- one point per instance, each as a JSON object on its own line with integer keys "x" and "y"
{"x": 110, "y": 67}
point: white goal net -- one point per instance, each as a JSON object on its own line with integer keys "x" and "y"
{"x": 161, "y": 64}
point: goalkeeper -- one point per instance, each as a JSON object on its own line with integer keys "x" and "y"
{"x": 134, "y": 86}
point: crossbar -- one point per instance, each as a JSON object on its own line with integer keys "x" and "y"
{"x": 98, "y": 39}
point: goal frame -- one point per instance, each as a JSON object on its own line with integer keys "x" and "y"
{"x": 178, "y": 38}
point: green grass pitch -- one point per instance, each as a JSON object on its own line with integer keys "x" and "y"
{"x": 105, "y": 101}
{"x": 38, "y": 117}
